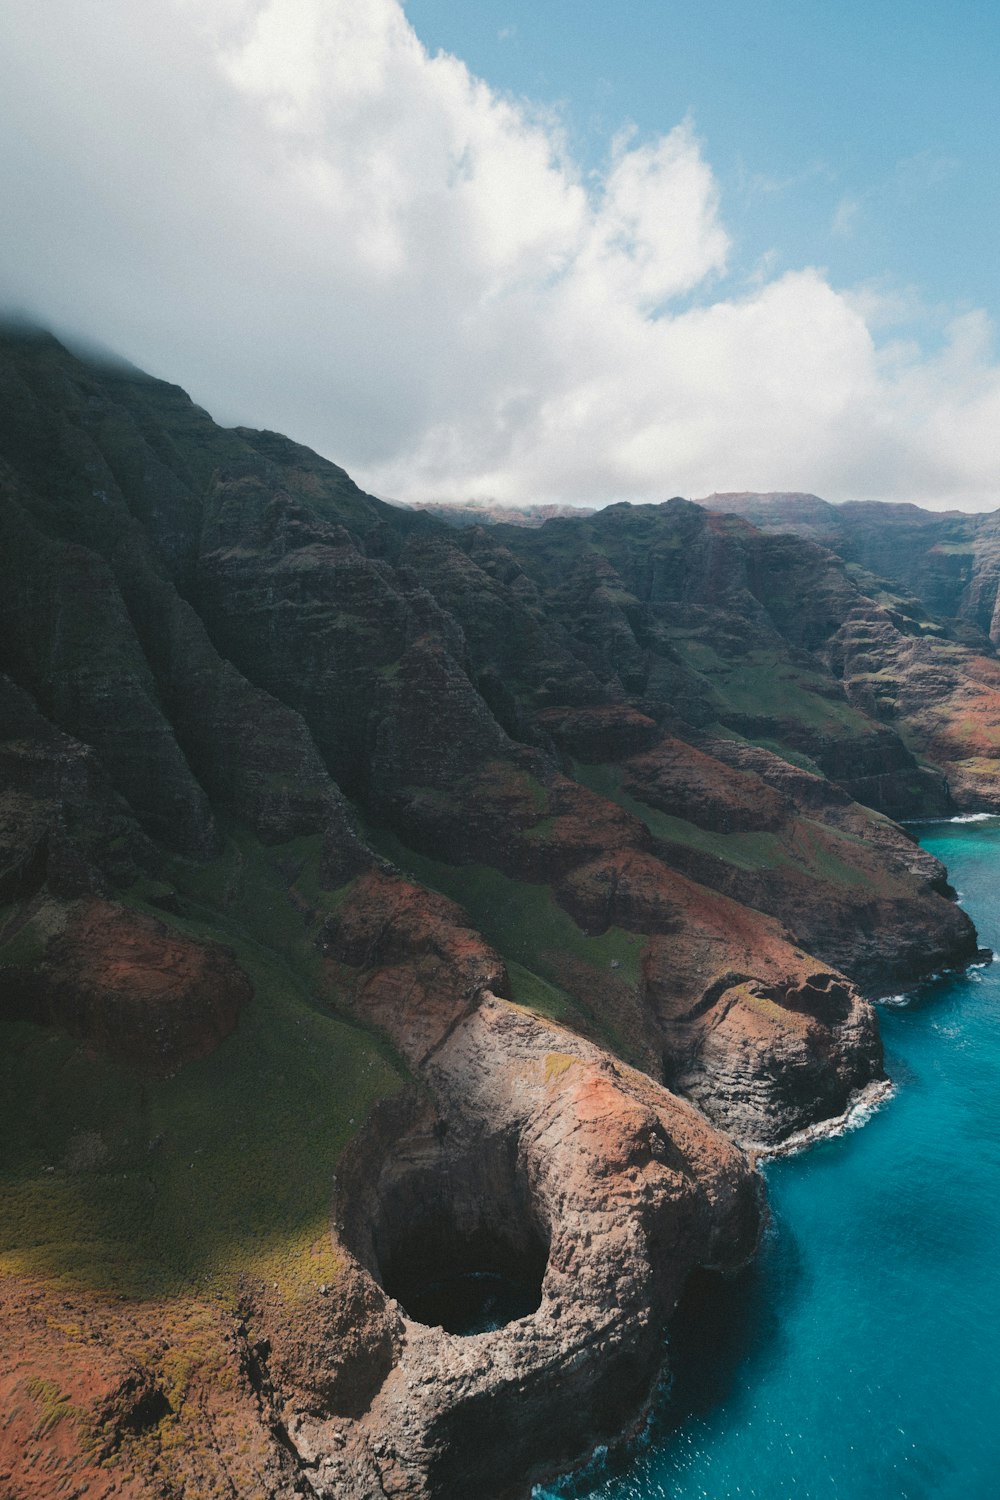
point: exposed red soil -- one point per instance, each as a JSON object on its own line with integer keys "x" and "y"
{"x": 131, "y": 986}
{"x": 685, "y": 782}
{"x": 135, "y": 1401}
{"x": 418, "y": 966}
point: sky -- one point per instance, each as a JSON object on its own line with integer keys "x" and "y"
{"x": 564, "y": 251}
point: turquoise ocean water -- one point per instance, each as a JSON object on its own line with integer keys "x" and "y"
{"x": 859, "y": 1359}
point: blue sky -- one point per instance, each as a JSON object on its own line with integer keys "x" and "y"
{"x": 860, "y": 137}
{"x": 560, "y": 251}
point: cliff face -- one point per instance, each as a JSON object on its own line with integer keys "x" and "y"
{"x": 919, "y": 653}
{"x": 527, "y": 877}
{"x": 948, "y": 560}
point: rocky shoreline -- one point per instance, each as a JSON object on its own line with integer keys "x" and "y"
{"x": 528, "y": 1133}
{"x": 528, "y": 1136}
{"x": 523, "y": 1141}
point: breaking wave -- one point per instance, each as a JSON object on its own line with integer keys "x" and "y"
{"x": 859, "y": 1111}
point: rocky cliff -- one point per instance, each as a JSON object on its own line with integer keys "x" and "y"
{"x": 919, "y": 653}
{"x": 388, "y": 905}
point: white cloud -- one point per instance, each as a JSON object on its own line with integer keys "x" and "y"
{"x": 294, "y": 210}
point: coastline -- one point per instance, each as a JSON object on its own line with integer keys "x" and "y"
{"x": 976, "y": 817}
{"x": 861, "y": 1108}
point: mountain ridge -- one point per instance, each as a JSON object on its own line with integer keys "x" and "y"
{"x": 549, "y": 870}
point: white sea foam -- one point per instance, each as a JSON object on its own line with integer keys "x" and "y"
{"x": 902, "y": 1001}
{"x": 578, "y": 1481}
{"x": 980, "y": 817}
{"x": 859, "y": 1111}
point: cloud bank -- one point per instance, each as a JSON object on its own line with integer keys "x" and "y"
{"x": 291, "y": 208}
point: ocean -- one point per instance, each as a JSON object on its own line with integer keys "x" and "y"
{"x": 859, "y": 1358}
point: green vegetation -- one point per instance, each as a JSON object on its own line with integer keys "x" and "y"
{"x": 532, "y": 933}
{"x": 25, "y": 947}
{"x": 748, "y": 851}
{"x": 764, "y": 684}
{"x": 146, "y": 1187}
{"x": 814, "y": 849}
{"x": 794, "y": 757}
{"x": 537, "y": 994}
{"x": 53, "y": 1406}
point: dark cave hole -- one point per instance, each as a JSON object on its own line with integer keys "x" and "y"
{"x": 473, "y": 1301}
{"x": 465, "y": 1284}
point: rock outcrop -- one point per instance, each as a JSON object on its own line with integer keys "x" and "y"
{"x": 122, "y": 982}
{"x": 588, "y": 1177}
{"x": 918, "y": 649}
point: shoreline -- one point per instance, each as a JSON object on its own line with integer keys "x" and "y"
{"x": 861, "y": 1106}
{"x": 976, "y": 817}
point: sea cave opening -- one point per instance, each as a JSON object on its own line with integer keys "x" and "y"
{"x": 458, "y": 1242}
{"x": 468, "y": 1285}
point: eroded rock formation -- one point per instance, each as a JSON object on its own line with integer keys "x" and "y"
{"x": 547, "y": 1153}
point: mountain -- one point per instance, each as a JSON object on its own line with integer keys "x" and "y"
{"x": 937, "y": 570}
{"x": 385, "y": 902}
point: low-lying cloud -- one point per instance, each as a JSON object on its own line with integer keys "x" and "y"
{"x": 295, "y": 211}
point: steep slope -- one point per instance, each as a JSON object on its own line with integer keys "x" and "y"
{"x": 921, "y": 654}
{"x": 947, "y": 559}
{"x": 333, "y": 836}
